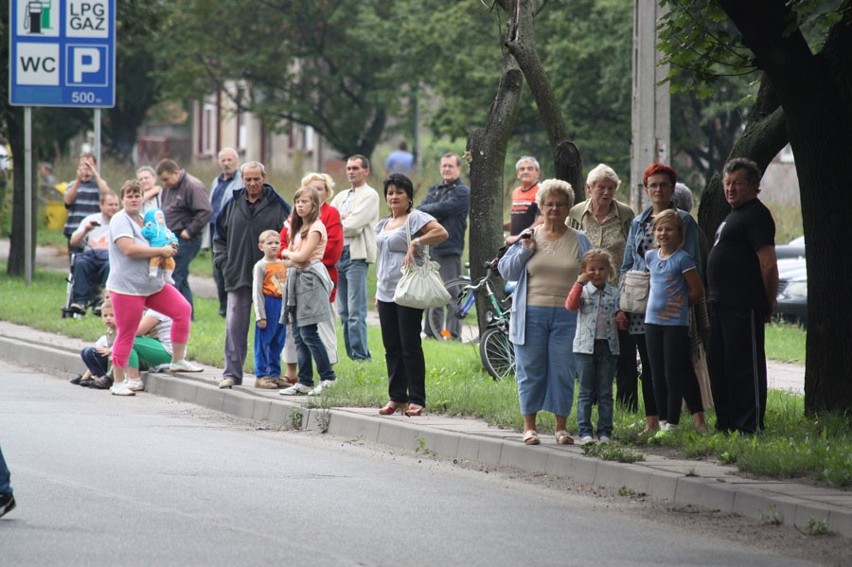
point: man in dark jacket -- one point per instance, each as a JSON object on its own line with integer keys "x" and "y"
{"x": 253, "y": 209}
{"x": 187, "y": 209}
{"x": 449, "y": 203}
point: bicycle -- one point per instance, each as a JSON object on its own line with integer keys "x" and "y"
{"x": 495, "y": 349}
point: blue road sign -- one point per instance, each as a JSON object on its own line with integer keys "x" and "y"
{"x": 62, "y": 53}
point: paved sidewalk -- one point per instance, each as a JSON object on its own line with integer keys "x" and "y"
{"x": 709, "y": 485}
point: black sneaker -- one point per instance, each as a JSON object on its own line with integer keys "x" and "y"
{"x": 102, "y": 383}
{"x": 77, "y": 379}
{"x": 77, "y": 308}
{"x": 87, "y": 382}
{"x": 7, "y": 504}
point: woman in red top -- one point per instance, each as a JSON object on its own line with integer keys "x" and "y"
{"x": 330, "y": 217}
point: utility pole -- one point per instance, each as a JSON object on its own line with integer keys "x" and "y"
{"x": 651, "y": 110}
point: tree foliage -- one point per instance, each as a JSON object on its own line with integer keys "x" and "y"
{"x": 340, "y": 66}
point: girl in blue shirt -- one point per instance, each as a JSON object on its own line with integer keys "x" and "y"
{"x": 675, "y": 285}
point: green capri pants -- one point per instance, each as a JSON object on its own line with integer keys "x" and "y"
{"x": 149, "y": 352}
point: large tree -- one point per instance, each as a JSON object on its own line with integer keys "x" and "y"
{"x": 340, "y": 66}
{"x": 804, "y": 50}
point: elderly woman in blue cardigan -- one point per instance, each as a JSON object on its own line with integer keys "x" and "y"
{"x": 545, "y": 261}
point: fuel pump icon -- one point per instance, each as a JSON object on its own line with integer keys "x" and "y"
{"x": 33, "y": 17}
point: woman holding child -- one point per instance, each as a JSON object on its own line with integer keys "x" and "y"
{"x": 545, "y": 261}
{"x": 132, "y": 289}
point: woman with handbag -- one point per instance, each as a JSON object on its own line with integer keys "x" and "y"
{"x": 659, "y": 181}
{"x": 546, "y": 262}
{"x": 400, "y": 239}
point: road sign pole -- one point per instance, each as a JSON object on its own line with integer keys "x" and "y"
{"x": 98, "y": 136}
{"x": 28, "y": 195}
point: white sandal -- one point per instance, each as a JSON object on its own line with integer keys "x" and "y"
{"x": 563, "y": 438}
{"x": 531, "y": 437}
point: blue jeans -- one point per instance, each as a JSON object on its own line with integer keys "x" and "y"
{"x": 309, "y": 345}
{"x": 269, "y": 342}
{"x": 91, "y": 269}
{"x": 97, "y": 363}
{"x": 596, "y": 372}
{"x": 545, "y": 362}
{"x": 187, "y": 251}
{"x": 5, "y": 485}
{"x": 352, "y": 305}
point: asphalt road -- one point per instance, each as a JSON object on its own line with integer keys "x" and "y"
{"x": 150, "y": 481}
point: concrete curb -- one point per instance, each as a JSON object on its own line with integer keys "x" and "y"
{"x": 693, "y": 483}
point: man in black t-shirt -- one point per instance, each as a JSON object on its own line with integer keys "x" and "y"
{"x": 742, "y": 277}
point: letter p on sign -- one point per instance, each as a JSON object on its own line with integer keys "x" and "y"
{"x": 86, "y": 65}
{"x": 86, "y": 60}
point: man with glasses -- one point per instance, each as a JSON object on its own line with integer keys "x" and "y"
{"x": 359, "y": 213}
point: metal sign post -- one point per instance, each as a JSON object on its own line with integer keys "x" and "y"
{"x": 61, "y": 53}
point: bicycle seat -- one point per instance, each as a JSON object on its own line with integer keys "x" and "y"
{"x": 510, "y": 288}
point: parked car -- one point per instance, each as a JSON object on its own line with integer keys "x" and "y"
{"x": 794, "y": 249}
{"x": 793, "y": 290}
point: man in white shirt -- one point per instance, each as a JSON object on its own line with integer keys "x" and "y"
{"x": 359, "y": 213}
{"x": 91, "y": 266}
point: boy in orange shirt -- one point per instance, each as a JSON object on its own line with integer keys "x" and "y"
{"x": 268, "y": 277}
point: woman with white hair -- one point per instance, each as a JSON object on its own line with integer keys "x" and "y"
{"x": 606, "y": 222}
{"x": 546, "y": 262}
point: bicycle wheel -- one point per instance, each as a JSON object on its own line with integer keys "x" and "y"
{"x": 497, "y": 353}
{"x": 458, "y": 320}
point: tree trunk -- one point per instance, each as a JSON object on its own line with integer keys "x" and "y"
{"x": 521, "y": 44}
{"x": 764, "y": 136}
{"x": 818, "y": 113}
{"x": 486, "y": 153}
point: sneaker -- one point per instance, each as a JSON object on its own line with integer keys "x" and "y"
{"x": 265, "y": 383}
{"x": 7, "y": 504}
{"x": 76, "y": 379}
{"x": 122, "y": 389}
{"x": 136, "y": 385}
{"x": 184, "y": 366}
{"x": 666, "y": 430}
{"x": 296, "y": 390}
{"x": 77, "y": 308}
{"x": 323, "y": 385}
{"x": 585, "y": 439}
{"x": 87, "y": 382}
{"x": 102, "y": 383}
{"x": 604, "y": 438}
{"x": 227, "y": 383}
